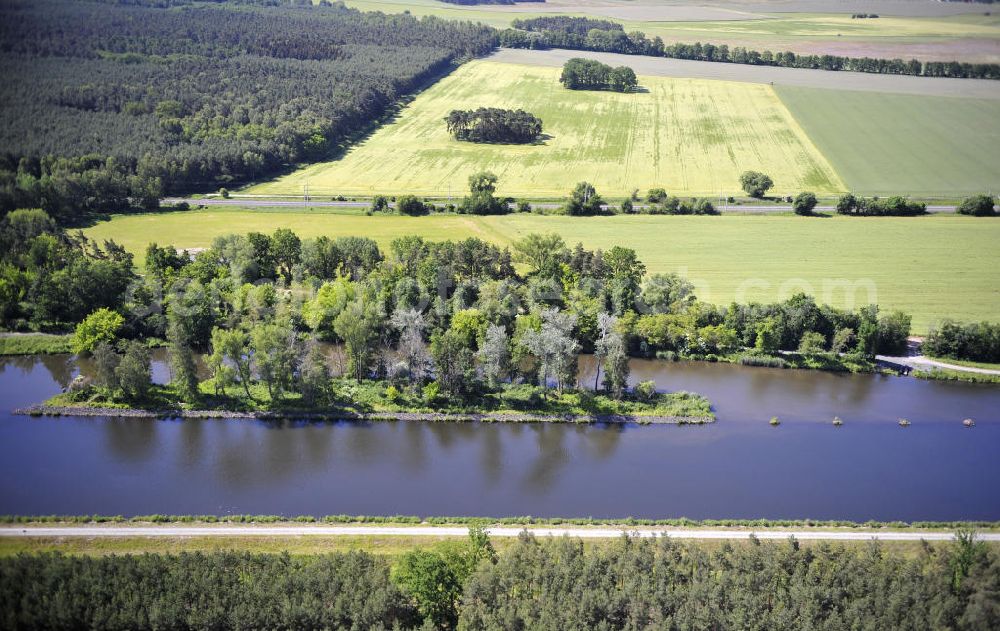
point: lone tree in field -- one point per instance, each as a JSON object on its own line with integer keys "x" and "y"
{"x": 804, "y": 203}
{"x": 755, "y": 183}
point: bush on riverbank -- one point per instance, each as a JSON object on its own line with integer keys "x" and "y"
{"x": 817, "y": 361}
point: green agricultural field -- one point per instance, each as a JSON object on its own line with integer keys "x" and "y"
{"x": 931, "y": 267}
{"x": 890, "y": 143}
{"x": 838, "y": 33}
{"x": 969, "y": 36}
{"x": 691, "y": 136}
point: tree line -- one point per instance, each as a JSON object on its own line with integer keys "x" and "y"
{"x": 589, "y": 74}
{"x": 110, "y": 106}
{"x": 491, "y": 124}
{"x": 547, "y": 584}
{"x": 583, "y": 34}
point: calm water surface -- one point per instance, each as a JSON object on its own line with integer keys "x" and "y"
{"x": 738, "y": 467}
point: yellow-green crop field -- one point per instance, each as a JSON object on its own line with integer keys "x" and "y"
{"x": 690, "y": 136}
{"x": 931, "y": 267}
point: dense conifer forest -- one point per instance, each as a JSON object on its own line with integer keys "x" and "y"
{"x": 136, "y": 101}
{"x": 542, "y": 584}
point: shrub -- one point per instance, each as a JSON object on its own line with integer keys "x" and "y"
{"x": 804, "y": 203}
{"x": 410, "y": 205}
{"x": 704, "y": 207}
{"x": 391, "y": 394}
{"x": 645, "y": 390}
{"x": 977, "y": 206}
{"x": 431, "y": 392}
{"x": 812, "y": 343}
{"x": 380, "y": 204}
{"x": 224, "y": 193}
{"x": 100, "y": 326}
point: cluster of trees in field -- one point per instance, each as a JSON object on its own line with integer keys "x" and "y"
{"x": 589, "y": 74}
{"x": 565, "y": 24}
{"x": 630, "y": 583}
{"x": 863, "y": 16}
{"x": 586, "y": 34}
{"x": 491, "y": 124}
{"x": 451, "y": 318}
{"x": 977, "y": 341}
{"x": 894, "y": 206}
{"x": 109, "y": 106}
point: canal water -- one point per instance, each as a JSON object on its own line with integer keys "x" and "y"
{"x": 738, "y": 467}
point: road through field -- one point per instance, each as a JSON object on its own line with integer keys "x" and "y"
{"x": 458, "y": 531}
{"x": 251, "y": 202}
{"x": 799, "y": 77}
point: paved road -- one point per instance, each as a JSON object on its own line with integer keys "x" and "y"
{"x": 181, "y": 530}
{"x": 250, "y": 202}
